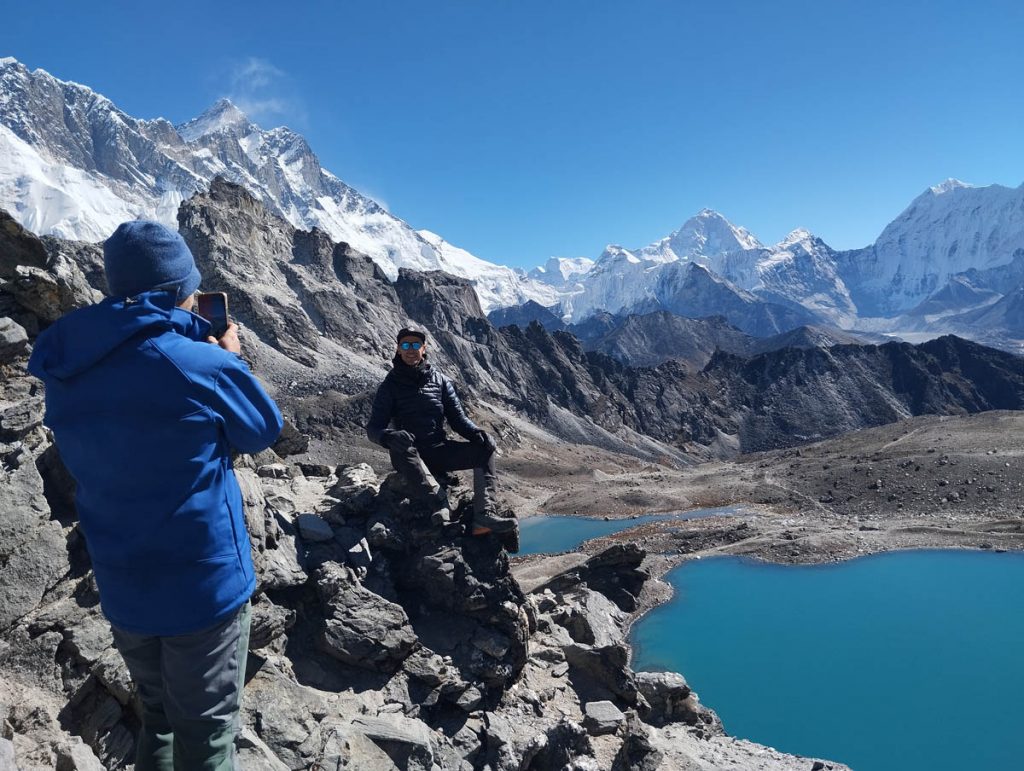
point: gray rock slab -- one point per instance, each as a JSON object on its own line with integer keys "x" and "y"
{"x": 91, "y": 637}
{"x": 7, "y": 754}
{"x": 77, "y": 757}
{"x": 30, "y": 571}
{"x": 406, "y": 741}
{"x": 313, "y": 529}
{"x": 112, "y": 672}
{"x": 274, "y": 471}
{"x": 347, "y": 748}
{"x": 668, "y": 694}
{"x": 602, "y": 717}
{"x": 254, "y": 755}
{"x": 13, "y": 339}
{"x": 537, "y": 573}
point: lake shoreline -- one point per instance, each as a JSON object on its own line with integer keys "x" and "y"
{"x": 933, "y": 482}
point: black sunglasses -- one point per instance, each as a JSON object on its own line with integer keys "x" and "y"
{"x": 407, "y": 346}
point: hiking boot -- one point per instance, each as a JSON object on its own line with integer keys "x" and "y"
{"x": 440, "y": 509}
{"x": 490, "y": 521}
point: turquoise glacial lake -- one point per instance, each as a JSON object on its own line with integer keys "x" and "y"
{"x": 909, "y": 660}
{"x": 542, "y": 535}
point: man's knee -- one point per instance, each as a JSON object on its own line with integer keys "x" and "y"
{"x": 405, "y": 461}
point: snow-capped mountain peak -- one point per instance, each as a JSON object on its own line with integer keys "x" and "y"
{"x": 947, "y": 186}
{"x": 710, "y": 234}
{"x": 799, "y": 235}
{"x": 221, "y": 116}
{"x": 948, "y": 229}
{"x": 73, "y": 165}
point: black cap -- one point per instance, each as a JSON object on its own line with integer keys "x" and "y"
{"x": 411, "y": 332}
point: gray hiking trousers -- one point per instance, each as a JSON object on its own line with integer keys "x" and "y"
{"x": 190, "y": 687}
{"x": 418, "y": 467}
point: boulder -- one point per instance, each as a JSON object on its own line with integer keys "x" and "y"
{"x": 20, "y": 419}
{"x": 290, "y": 441}
{"x": 564, "y": 746}
{"x": 315, "y": 470}
{"x": 407, "y": 742}
{"x": 362, "y": 628}
{"x": 348, "y": 749}
{"x": 255, "y": 755}
{"x": 30, "y": 570}
{"x": 269, "y": 622}
{"x": 13, "y": 339}
{"x": 667, "y": 695}
{"x": 615, "y": 572}
{"x": 636, "y": 752}
{"x": 602, "y": 717}
{"x": 7, "y": 754}
{"x": 356, "y": 489}
{"x": 274, "y": 471}
{"x": 312, "y": 528}
{"x": 18, "y": 246}
{"x": 590, "y": 617}
{"x": 607, "y": 667}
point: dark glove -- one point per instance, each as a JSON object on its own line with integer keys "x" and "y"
{"x": 482, "y": 437}
{"x": 397, "y": 440}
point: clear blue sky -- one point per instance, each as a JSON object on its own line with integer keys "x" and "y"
{"x": 522, "y": 129}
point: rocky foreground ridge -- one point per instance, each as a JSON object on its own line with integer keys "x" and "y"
{"x": 379, "y": 641}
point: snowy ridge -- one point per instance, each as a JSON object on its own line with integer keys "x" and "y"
{"x": 949, "y": 229}
{"x": 559, "y": 270}
{"x": 73, "y": 165}
{"x": 798, "y": 271}
{"x": 496, "y": 285}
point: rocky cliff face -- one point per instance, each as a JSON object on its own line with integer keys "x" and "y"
{"x": 647, "y": 340}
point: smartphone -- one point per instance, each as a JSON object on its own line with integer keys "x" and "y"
{"x": 213, "y": 306}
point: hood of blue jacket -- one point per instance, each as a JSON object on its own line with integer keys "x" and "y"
{"x": 80, "y": 340}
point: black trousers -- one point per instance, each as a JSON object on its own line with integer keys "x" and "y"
{"x": 418, "y": 467}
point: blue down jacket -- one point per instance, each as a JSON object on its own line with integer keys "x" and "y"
{"x": 418, "y": 399}
{"x": 145, "y": 414}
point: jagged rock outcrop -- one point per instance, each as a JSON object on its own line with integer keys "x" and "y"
{"x": 647, "y": 340}
{"x": 523, "y": 315}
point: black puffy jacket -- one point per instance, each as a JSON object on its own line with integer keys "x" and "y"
{"x": 417, "y": 400}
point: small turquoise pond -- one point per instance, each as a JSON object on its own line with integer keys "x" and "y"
{"x": 543, "y": 535}
{"x": 909, "y": 660}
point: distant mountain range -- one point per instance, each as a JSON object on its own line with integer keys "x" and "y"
{"x": 73, "y": 165}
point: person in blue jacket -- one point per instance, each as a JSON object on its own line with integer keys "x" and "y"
{"x": 145, "y": 408}
{"x": 416, "y": 399}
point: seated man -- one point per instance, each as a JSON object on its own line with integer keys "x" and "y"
{"x": 417, "y": 399}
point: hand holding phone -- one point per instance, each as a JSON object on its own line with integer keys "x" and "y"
{"x": 213, "y": 306}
